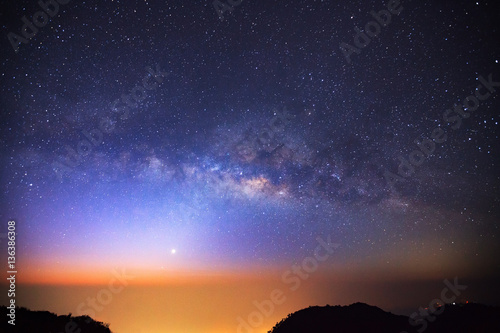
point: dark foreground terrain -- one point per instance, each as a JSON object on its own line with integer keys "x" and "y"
{"x": 355, "y": 318}
{"x": 48, "y": 322}
{"x": 363, "y": 318}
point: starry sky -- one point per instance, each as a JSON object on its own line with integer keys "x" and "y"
{"x": 180, "y": 140}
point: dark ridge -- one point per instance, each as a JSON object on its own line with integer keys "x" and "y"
{"x": 362, "y": 318}
{"x": 355, "y": 318}
{"x": 48, "y": 322}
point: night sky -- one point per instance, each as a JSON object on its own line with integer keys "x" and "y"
{"x": 172, "y": 140}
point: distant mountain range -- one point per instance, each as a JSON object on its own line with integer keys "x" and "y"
{"x": 48, "y": 322}
{"x": 355, "y": 318}
{"x": 363, "y": 318}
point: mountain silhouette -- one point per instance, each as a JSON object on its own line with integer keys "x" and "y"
{"x": 355, "y": 318}
{"x": 363, "y": 318}
{"x": 48, "y": 322}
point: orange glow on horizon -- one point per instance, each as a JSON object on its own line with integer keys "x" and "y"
{"x": 102, "y": 276}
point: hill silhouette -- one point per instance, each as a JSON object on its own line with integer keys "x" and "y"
{"x": 362, "y": 318}
{"x": 355, "y": 318}
{"x": 48, "y": 322}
